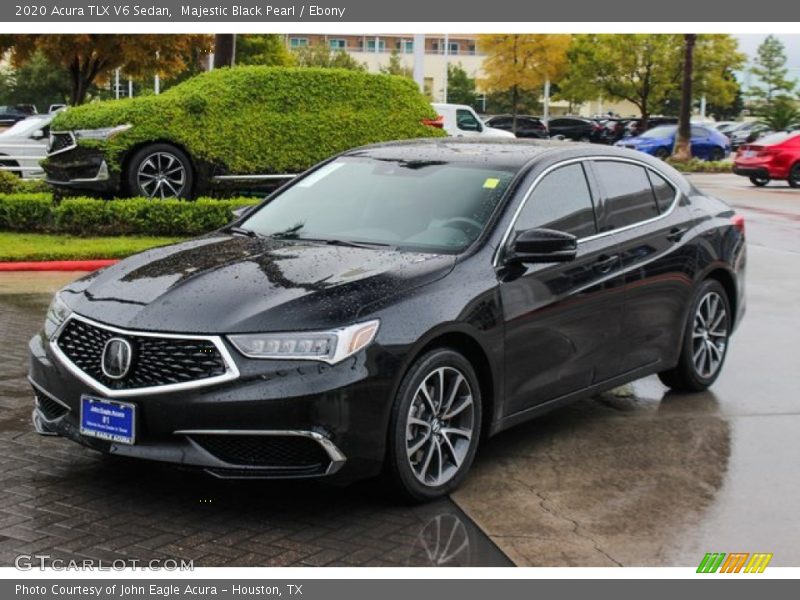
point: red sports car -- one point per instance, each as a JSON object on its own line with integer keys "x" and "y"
{"x": 775, "y": 156}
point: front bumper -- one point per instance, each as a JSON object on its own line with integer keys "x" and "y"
{"x": 80, "y": 168}
{"x": 277, "y": 419}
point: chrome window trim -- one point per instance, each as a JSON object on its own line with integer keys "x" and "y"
{"x": 337, "y": 457}
{"x": 231, "y": 371}
{"x": 68, "y": 148}
{"x": 582, "y": 159}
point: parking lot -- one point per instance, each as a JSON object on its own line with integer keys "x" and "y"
{"x": 635, "y": 477}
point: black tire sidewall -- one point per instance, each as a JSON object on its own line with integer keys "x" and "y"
{"x": 398, "y": 466}
{"x": 695, "y": 380}
{"x": 716, "y": 154}
{"x": 132, "y": 186}
{"x": 661, "y": 153}
{"x": 759, "y": 181}
{"x": 794, "y": 175}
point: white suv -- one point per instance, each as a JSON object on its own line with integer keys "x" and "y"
{"x": 461, "y": 121}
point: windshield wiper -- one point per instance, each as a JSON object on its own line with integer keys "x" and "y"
{"x": 243, "y": 231}
{"x": 352, "y": 244}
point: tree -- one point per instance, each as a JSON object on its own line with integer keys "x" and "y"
{"x": 90, "y": 59}
{"x": 38, "y": 82}
{"x": 262, "y": 49}
{"x": 683, "y": 139}
{"x": 728, "y": 111}
{"x": 646, "y": 69}
{"x": 460, "y": 86}
{"x": 770, "y": 69}
{"x": 781, "y": 113}
{"x": 396, "y": 67}
{"x": 516, "y": 62}
{"x": 320, "y": 55}
{"x": 528, "y": 102}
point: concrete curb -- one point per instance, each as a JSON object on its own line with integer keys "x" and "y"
{"x": 57, "y": 265}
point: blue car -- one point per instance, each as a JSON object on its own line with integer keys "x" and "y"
{"x": 707, "y": 143}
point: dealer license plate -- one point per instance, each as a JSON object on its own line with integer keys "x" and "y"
{"x": 108, "y": 419}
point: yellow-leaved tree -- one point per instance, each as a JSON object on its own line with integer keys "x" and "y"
{"x": 518, "y": 62}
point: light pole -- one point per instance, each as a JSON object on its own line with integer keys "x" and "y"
{"x": 446, "y": 70}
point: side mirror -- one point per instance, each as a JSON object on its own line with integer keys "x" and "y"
{"x": 38, "y": 134}
{"x": 543, "y": 246}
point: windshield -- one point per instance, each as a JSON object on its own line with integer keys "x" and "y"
{"x": 428, "y": 206}
{"x": 28, "y": 125}
{"x": 659, "y": 132}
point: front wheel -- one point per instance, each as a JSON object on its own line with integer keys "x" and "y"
{"x": 705, "y": 342}
{"x": 759, "y": 181}
{"x": 794, "y": 176}
{"x": 435, "y": 426}
{"x": 160, "y": 171}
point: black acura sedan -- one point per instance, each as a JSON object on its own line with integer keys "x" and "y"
{"x": 393, "y": 306}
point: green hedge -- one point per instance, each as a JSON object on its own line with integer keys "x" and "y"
{"x": 37, "y": 213}
{"x": 696, "y": 165}
{"x": 263, "y": 119}
{"x": 12, "y": 184}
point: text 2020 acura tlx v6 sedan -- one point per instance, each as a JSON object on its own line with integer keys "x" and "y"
{"x": 392, "y": 306}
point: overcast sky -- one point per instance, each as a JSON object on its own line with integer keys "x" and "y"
{"x": 749, "y": 45}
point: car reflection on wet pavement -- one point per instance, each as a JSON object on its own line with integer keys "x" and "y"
{"x": 72, "y": 503}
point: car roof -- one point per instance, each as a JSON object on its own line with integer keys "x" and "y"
{"x": 499, "y": 153}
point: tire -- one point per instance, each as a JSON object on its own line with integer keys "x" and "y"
{"x": 794, "y": 176}
{"x": 716, "y": 154}
{"x": 703, "y": 351}
{"x": 585, "y": 139}
{"x": 661, "y": 153}
{"x": 4, "y": 162}
{"x": 160, "y": 171}
{"x": 430, "y": 453}
{"x": 759, "y": 181}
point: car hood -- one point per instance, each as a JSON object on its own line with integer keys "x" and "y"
{"x": 234, "y": 284}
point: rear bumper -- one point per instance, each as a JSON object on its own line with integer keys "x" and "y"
{"x": 760, "y": 172}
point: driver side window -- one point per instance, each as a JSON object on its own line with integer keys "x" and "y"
{"x": 561, "y": 201}
{"x": 466, "y": 121}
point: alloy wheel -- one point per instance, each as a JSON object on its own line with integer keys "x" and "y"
{"x": 440, "y": 426}
{"x": 709, "y": 335}
{"x": 161, "y": 174}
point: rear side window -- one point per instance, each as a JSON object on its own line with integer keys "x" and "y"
{"x": 560, "y": 201}
{"x": 665, "y": 193}
{"x": 629, "y": 195}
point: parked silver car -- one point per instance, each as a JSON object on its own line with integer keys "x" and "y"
{"x": 24, "y": 145}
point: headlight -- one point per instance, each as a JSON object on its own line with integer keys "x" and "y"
{"x": 104, "y": 133}
{"x": 57, "y": 313}
{"x": 327, "y": 346}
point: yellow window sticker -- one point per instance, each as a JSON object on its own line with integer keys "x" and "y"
{"x": 491, "y": 183}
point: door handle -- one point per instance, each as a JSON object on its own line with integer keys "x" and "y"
{"x": 676, "y": 233}
{"x": 605, "y": 263}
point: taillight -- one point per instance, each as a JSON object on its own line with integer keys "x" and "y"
{"x": 738, "y": 223}
{"x": 438, "y": 122}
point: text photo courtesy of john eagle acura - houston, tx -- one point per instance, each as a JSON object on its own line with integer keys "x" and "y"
{"x": 399, "y": 299}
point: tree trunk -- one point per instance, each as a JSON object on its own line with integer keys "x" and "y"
{"x": 514, "y": 108}
{"x": 683, "y": 140}
{"x": 224, "y": 50}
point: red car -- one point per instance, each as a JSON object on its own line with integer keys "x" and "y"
{"x": 775, "y": 156}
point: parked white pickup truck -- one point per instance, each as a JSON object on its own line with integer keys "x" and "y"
{"x": 459, "y": 120}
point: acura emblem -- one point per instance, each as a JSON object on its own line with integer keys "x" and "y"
{"x": 116, "y": 359}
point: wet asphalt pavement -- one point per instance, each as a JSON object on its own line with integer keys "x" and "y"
{"x": 646, "y": 477}
{"x": 640, "y": 476}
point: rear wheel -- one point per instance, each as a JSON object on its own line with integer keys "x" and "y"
{"x": 160, "y": 171}
{"x": 759, "y": 181}
{"x": 12, "y": 167}
{"x": 794, "y": 176}
{"x": 705, "y": 341}
{"x": 716, "y": 154}
{"x": 661, "y": 153}
{"x": 435, "y": 426}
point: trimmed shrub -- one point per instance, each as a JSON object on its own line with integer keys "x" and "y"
{"x": 12, "y": 184}
{"x": 263, "y": 119}
{"x": 696, "y": 165}
{"x": 136, "y": 216}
